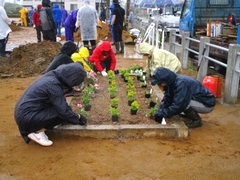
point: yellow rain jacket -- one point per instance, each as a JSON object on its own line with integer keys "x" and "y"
{"x": 23, "y": 15}
{"x": 80, "y": 56}
{"x": 160, "y": 58}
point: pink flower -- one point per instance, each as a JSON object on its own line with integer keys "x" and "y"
{"x": 79, "y": 105}
{"x": 96, "y": 86}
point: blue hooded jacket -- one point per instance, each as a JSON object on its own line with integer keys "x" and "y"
{"x": 57, "y": 13}
{"x": 180, "y": 90}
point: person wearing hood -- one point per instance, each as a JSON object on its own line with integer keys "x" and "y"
{"x": 4, "y": 29}
{"x": 182, "y": 94}
{"x": 23, "y": 16}
{"x": 103, "y": 58}
{"x": 81, "y": 57}
{"x": 37, "y": 22}
{"x": 47, "y": 21}
{"x": 87, "y": 19}
{"x": 64, "y": 56}
{"x": 57, "y": 17}
{"x": 69, "y": 25}
{"x": 159, "y": 58}
{"x": 43, "y": 105}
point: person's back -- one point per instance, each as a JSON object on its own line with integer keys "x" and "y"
{"x": 37, "y": 22}
{"x": 69, "y": 25}
{"x": 47, "y": 21}
{"x": 64, "y": 15}
{"x": 57, "y": 17}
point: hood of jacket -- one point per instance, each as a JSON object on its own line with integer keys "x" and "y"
{"x": 163, "y": 75}
{"x": 71, "y": 74}
{"x": 46, "y": 3}
{"x": 39, "y": 6}
{"x": 2, "y": 3}
{"x": 55, "y": 6}
{"x": 68, "y": 48}
{"x": 145, "y": 48}
{"x": 105, "y": 46}
{"x": 111, "y": 6}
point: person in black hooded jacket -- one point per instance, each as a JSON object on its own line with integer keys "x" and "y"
{"x": 64, "y": 56}
{"x": 182, "y": 94}
{"x": 43, "y": 105}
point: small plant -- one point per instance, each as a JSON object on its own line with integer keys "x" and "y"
{"x": 114, "y": 111}
{"x": 112, "y": 90}
{"x": 147, "y": 93}
{"x": 152, "y": 111}
{"x": 134, "y": 106}
{"x": 111, "y": 75}
{"x": 86, "y": 97}
{"x": 131, "y": 95}
{"x": 81, "y": 111}
{"x": 143, "y": 84}
{"x": 130, "y": 87}
{"x": 114, "y": 102}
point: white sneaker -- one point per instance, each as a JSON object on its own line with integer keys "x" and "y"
{"x": 40, "y": 138}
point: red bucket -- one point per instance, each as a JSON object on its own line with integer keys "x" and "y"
{"x": 211, "y": 83}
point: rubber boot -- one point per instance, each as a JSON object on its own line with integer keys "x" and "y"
{"x": 117, "y": 47}
{"x": 194, "y": 116}
{"x": 122, "y": 47}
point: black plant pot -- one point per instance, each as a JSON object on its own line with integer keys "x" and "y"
{"x": 152, "y": 104}
{"x": 129, "y": 103}
{"x": 114, "y": 119}
{"x": 143, "y": 86}
{"x": 116, "y": 71}
{"x": 147, "y": 95}
{"x": 87, "y": 108}
{"x": 138, "y": 77}
{"x": 133, "y": 112}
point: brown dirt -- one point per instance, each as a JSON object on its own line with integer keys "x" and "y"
{"x": 210, "y": 152}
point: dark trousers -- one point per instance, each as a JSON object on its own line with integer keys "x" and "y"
{"x": 39, "y": 31}
{"x": 106, "y": 64}
{"x": 3, "y": 43}
{"x": 49, "y": 35}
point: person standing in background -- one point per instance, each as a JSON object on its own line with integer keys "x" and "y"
{"x": 111, "y": 7}
{"x": 30, "y": 16}
{"x": 102, "y": 16}
{"x": 69, "y": 25}
{"x": 46, "y": 17}
{"x": 118, "y": 19}
{"x": 87, "y": 19}
{"x": 37, "y": 22}
{"x": 64, "y": 16}
{"x": 130, "y": 19}
{"x": 23, "y": 16}
{"x": 4, "y": 29}
{"x": 57, "y": 17}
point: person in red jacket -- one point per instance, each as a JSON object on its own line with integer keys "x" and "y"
{"x": 37, "y": 22}
{"x": 103, "y": 58}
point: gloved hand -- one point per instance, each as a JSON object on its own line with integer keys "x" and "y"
{"x": 158, "y": 118}
{"x": 104, "y": 73}
{"x": 82, "y": 120}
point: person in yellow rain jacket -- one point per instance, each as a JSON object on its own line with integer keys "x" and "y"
{"x": 23, "y": 15}
{"x": 80, "y": 57}
{"x": 159, "y": 58}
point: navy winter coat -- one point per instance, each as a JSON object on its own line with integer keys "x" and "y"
{"x": 43, "y": 104}
{"x": 180, "y": 90}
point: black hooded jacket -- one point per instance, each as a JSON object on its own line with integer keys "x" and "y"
{"x": 180, "y": 90}
{"x": 64, "y": 56}
{"x": 44, "y": 99}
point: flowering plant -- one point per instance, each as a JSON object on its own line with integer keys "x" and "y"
{"x": 114, "y": 102}
{"x": 114, "y": 111}
{"x": 81, "y": 110}
{"x": 131, "y": 95}
{"x": 135, "y": 105}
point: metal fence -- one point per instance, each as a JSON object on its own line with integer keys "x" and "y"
{"x": 232, "y": 66}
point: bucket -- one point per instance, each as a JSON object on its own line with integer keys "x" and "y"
{"x": 214, "y": 84}
{"x": 210, "y": 83}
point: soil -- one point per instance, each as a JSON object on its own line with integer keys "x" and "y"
{"x": 210, "y": 152}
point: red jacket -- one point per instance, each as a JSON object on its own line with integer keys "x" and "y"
{"x": 36, "y": 16}
{"x": 98, "y": 56}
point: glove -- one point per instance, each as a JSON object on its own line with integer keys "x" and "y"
{"x": 82, "y": 120}
{"x": 158, "y": 119}
{"x": 104, "y": 73}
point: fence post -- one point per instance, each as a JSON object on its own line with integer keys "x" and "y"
{"x": 202, "y": 62}
{"x": 184, "y": 54}
{"x": 172, "y": 39}
{"x": 232, "y": 74}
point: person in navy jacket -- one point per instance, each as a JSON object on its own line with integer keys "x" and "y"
{"x": 182, "y": 94}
